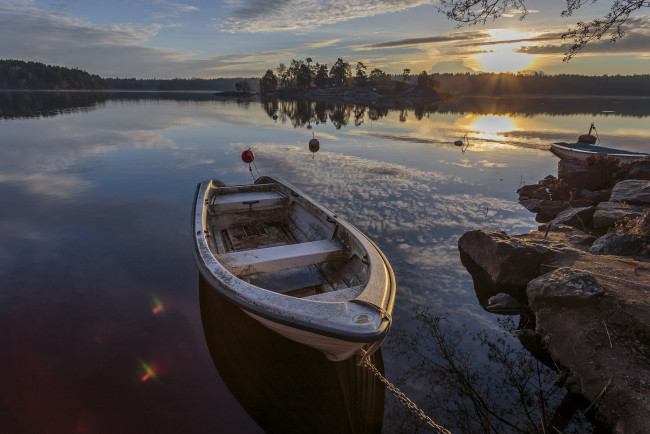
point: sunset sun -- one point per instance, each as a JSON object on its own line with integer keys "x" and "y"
{"x": 499, "y": 55}
{"x": 502, "y": 61}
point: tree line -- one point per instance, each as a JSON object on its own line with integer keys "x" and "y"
{"x": 303, "y": 75}
{"x": 497, "y": 84}
{"x": 18, "y": 74}
{"x": 27, "y": 75}
{"x": 172, "y": 84}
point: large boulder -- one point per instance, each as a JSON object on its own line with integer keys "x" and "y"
{"x": 594, "y": 196}
{"x": 551, "y": 208}
{"x": 580, "y": 176}
{"x": 564, "y": 287}
{"x": 507, "y": 260}
{"x": 527, "y": 191}
{"x": 617, "y": 244}
{"x": 531, "y": 205}
{"x": 632, "y": 191}
{"x": 499, "y": 263}
{"x": 504, "y": 304}
{"x": 593, "y": 321}
{"x": 578, "y": 217}
{"x": 608, "y": 213}
{"x": 639, "y": 169}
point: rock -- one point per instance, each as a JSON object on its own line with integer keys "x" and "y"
{"x": 601, "y": 341}
{"x": 504, "y": 304}
{"x": 608, "y": 213}
{"x": 564, "y": 287}
{"x": 588, "y": 195}
{"x": 617, "y": 244}
{"x": 531, "y": 205}
{"x": 579, "y": 217}
{"x": 548, "y": 181}
{"x": 551, "y": 208}
{"x": 582, "y": 240}
{"x": 507, "y": 261}
{"x": 639, "y": 169}
{"x": 579, "y": 175}
{"x": 581, "y": 203}
{"x": 542, "y": 194}
{"x": 528, "y": 190}
{"x": 632, "y": 191}
{"x": 603, "y": 195}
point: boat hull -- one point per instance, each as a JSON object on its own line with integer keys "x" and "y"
{"x": 582, "y": 151}
{"x": 334, "y": 349}
{"x": 338, "y": 322}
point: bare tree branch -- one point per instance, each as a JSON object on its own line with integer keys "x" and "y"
{"x": 472, "y": 12}
{"x": 611, "y": 25}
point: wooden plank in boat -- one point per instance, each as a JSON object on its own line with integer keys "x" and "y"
{"x": 244, "y": 201}
{"x": 339, "y": 295}
{"x": 269, "y": 259}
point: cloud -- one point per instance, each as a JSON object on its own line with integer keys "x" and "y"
{"x": 553, "y": 36}
{"x": 173, "y": 9}
{"x": 633, "y": 43}
{"x": 452, "y": 37}
{"x": 415, "y": 216}
{"x": 318, "y": 44}
{"x": 30, "y": 33}
{"x": 264, "y": 16}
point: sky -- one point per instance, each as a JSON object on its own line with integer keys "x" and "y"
{"x": 244, "y": 38}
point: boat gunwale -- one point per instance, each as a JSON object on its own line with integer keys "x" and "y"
{"x": 322, "y": 329}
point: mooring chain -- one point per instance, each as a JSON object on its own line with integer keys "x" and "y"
{"x": 403, "y": 398}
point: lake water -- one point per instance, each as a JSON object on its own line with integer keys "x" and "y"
{"x": 100, "y": 308}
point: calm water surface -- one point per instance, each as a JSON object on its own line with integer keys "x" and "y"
{"x": 100, "y": 314}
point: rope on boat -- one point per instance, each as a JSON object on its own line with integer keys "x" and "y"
{"x": 365, "y": 362}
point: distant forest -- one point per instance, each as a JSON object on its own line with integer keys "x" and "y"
{"x": 216, "y": 84}
{"x": 21, "y": 75}
{"x": 17, "y": 74}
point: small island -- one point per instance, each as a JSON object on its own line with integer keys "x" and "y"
{"x": 304, "y": 79}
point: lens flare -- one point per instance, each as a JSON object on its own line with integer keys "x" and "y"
{"x": 148, "y": 372}
{"x": 157, "y": 306}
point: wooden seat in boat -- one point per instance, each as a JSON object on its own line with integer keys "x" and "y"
{"x": 248, "y": 200}
{"x": 264, "y": 260}
{"x": 338, "y": 295}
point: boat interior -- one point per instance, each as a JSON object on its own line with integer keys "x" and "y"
{"x": 275, "y": 239}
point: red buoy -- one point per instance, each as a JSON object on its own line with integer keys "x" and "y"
{"x": 247, "y": 156}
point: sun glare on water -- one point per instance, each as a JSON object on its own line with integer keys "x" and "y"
{"x": 491, "y": 127}
{"x": 500, "y": 57}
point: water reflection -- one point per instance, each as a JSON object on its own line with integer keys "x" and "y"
{"x": 305, "y": 113}
{"x": 25, "y": 104}
{"x": 284, "y": 386}
{"x": 495, "y": 388}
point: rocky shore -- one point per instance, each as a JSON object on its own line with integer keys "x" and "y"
{"x": 582, "y": 281}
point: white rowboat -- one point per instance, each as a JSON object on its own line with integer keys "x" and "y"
{"x": 582, "y": 151}
{"x": 293, "y": 265}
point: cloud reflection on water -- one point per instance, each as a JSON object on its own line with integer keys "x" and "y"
{"x": 412, "y": 214}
